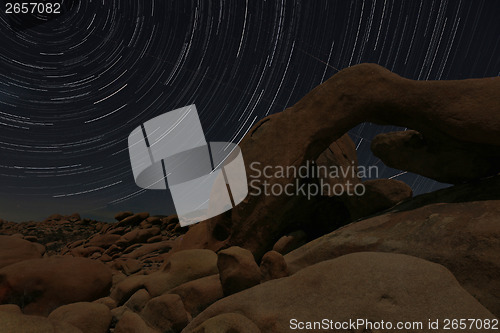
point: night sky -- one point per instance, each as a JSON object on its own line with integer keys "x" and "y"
{"x": 73, "y": 86}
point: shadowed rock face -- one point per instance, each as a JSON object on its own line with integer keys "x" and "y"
{"x": 459, "y": 117}
{"x": 461, "y": 232}
{"x": 375, "y": 286}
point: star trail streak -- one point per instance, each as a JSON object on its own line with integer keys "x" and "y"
{"x": 73, "y": 87}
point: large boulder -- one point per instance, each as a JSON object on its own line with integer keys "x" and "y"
{"x": 88, "y": 317}
{"x": 458, "y": 116}
{"x": 365, "y": 285}
{"x": 198, "y": 294}
{"x": 39, "y": 286}
{"x": 13, "y": 322}
{"x": 14, "y": 249}
{"x": 463, "y": 237}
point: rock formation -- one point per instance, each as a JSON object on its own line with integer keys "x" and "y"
{"x": 458, "y": 124}
{"x": 379, "y": 256}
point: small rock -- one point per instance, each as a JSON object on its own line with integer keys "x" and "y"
{"x": 102, "y": 240}
{"x": 122, "y": 215}
{"x": 238, "y": 270}
{"x": 117, "y": 231}
{"x": 113, "y": 250}
{"x": 133, "y": 219}
{"x": 54, "y": 217}
{"x": 166, "y": 313}
{"x": 273, "y": 266}
{"x": 128, "y": 266}
{"x": 74, "y": 244}
{"x": 155, "y": 239}
{"x": 74, "y": 217}
{"x": 290, "y": 242}
{"x": 138, "y": 300}
{"x": 32, "y": 239}
{"x": 118, "y": 313}
{"x": 105, "y": 258}
{"x": 96, "y": 255}
{"x": 82, "y": 251}
{"x": 145, "y": 249}
{"x": 108, "y": 301}
{"x": 154, "y": 220}
{"x": 145, "y": 225}
{"x": 169, "y": 220}
{"x": 131, "y": 322}
{"x": 137, "y": 236}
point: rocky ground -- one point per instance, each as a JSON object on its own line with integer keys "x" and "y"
{"x": 383, "y": 256}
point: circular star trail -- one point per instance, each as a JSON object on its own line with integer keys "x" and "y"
{"x": 73, "y": 86}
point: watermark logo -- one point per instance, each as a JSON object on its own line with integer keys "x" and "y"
{"x": 205, "y": 179}
{"x": 333, "y": 180}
